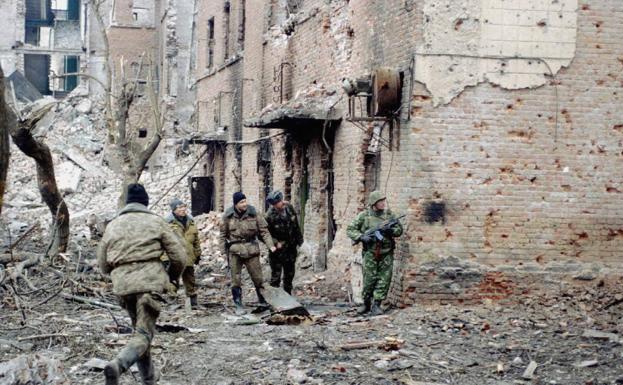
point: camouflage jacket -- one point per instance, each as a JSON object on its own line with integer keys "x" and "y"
{"x": 130, "y": 251}
{"x": 284, "y": 226}
{"x": 189, "y": 234}
{"x": 369, "y": 219}
{"x": 244, "y": 230}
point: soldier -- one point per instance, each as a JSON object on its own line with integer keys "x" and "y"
{"x": 240, "y": 227}
{"x": 130, "y": 252}
{"x": 184, "y": 226}
{"x": 284, "y": 228}
{"x": 378, "y": 255}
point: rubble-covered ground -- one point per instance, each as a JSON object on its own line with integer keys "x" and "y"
{"x": 573, "y": 337}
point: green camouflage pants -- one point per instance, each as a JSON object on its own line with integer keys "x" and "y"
{"x": 143, "y": 310}
{"x": 188, "y": 277}
{"x": 254, "y": 268}
{"x": 377, "y": 276}
{"x": 282, "y": 261}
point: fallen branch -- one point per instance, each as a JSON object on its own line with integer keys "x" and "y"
{"x": 360, "y": 345}
{"x": 93, "y": 302}
{"x": 38, "y": 336}
{"x": 24, "y": 236}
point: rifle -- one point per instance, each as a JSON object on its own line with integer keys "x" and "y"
{"x": 377, "y": 232}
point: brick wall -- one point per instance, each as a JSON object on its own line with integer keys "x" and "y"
{"x": 514, "y": 181}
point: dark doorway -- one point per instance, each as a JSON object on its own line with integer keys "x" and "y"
{"x": 201, "y": 194}
{"x": 36, "y": 70}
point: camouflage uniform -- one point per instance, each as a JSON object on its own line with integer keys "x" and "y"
{"x": 284, "y": 228}
{"x": 130, "y": 252}
{"x": 190, "y": 235}
{"x": 378, "y": 257}
{"x": 244, "y": 230}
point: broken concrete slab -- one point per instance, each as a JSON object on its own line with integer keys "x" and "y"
{"x": 33, "y": 369}
{"x": 68, "y": 177}
{"x": 591, "y": 333}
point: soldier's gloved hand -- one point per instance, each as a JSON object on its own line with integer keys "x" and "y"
{"x": 365, "y": 238}
{"x": 388, "y": 232}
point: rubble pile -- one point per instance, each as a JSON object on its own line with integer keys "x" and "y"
{"x": 208, "y": 227}
{"x": 74, "y": 130}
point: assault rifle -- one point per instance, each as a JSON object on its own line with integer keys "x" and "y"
{"x": 376, "y": 233}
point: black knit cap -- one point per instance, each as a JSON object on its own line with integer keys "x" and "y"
{"x": 238, "y": 196}
{"x": 137, "y": 194}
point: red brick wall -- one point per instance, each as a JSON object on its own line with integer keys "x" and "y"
{"x": 520, "y": 193}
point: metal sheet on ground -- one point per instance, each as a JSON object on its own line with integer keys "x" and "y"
{"x": 282, "y": 302}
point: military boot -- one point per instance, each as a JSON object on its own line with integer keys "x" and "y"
{"x": 363, "y": 309}
{"x": 260, "y": 298}
{"x": 113, "y": 370}
{"x": 193, "y": 302}
{"x": 147, "y": 370}
{"x": 237, "y": 296}
{"x": 376, "y": 308}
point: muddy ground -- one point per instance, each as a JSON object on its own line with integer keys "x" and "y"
{"x": 574, "y": 337}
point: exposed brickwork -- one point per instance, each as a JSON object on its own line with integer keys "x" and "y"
{"x": 528, "y": 178}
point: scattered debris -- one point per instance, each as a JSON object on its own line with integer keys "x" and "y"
{"x": 33, "y": 369}
{"x": 528, "y": 374}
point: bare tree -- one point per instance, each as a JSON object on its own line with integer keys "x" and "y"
{"x": 5, "y": 121}
{"x": 21, "y": 131}
{"x": 130, "y": 153}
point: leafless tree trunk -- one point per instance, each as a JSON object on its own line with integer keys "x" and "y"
{"x": 40, "y": 152}
{"x": 132, "y": 157}
{"x": 6, "y": 119}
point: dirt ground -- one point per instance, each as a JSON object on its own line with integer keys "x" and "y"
{"x": 574, "y": 338}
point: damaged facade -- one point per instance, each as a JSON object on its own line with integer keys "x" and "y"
{"x": 46, "y": 40}
{"x": 502, "y": 152}
{"x": 494, "y": 125}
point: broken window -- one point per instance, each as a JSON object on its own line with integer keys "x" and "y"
{"x": 226, "y": 22}
{"x": 66, "y": 10}
{"x": 210, "y": 44}
{"x": 39, "y": 20}
{"x": 71, "y": 64}
{"x": 242, "y": 20}
{"x": 36, "y": 70}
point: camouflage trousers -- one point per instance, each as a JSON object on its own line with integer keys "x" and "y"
{"x": 254, "y": 268}
{"x": 377, "y": 275}
{"x": 188, "y": 277}
{"x": 283, "y": 260}
{"x": 143, "y": 310}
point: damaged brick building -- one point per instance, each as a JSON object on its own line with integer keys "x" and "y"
{"x": 494, "y": 125}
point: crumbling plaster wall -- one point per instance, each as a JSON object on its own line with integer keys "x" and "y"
{"x": 514, "y": 44}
